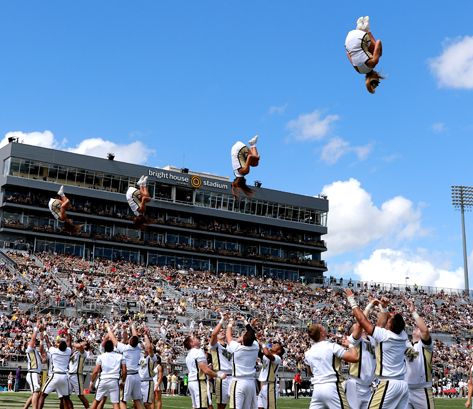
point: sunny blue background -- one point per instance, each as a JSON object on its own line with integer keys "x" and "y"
{"x": 193, "y": 77}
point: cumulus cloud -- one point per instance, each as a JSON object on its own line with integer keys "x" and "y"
{"x": 438, "y": 127}
{"x": 354, "y": 221}
{"x": 337, "y": 147}
{"x": 309, "y": 127}
{"x": 454, "y": 67}
{"x": 135, "y": 152}
{"x": 277, "y": 110}
{"x": 393, "y": 266}
{"x": 44, "y": 139}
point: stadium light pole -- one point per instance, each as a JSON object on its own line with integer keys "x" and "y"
{"x": 462, "y": 199}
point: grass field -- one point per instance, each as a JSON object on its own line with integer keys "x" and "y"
{"x": 9, "y": 400}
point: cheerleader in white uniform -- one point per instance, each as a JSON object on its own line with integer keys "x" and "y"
{"x": 58, "y": 209}
{"x": 364, "y": 52}
{"x": 243, "y": 157}
{"x": 158, "y": 385}
{"x": 137, "y": 200}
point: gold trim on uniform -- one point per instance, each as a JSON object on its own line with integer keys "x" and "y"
{"x": 428, "y": 364}
{"x": 33, "y": 360}
{"x": 429, "y": 396}
{"x": 218, "y": 391}
{"x": 355, "y": 368}
{"x": 241, "y": 156}
{"x": 136, "y": 197}
{"x": 379, "y": 359}
{"x": 55, "y": 207}
{"x": 272, "y": 372}
{"x": 341, "y": 394}
{"x": 364, "y": 45}
{"x": 232, "y": 395}
{"x": 271, "y": 396}
{"x": 204, "y": 400}
{"x": 47, "y": 383}
{"x": 379, "y": 394}
{"x": 150, "y": 391}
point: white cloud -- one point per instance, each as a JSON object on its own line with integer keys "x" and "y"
{"x": 354, "y": 221}
{"x": 393, "y": 266}
{"x": 454, "y": 67}
{"x": 44, "y": 139}
{"x": 311, "y": 126}
{"x": 337, "y": 147}
{"x": 135, "y": 152}
{"x": 278, "y": 110}
{"x": 438, "y": 127}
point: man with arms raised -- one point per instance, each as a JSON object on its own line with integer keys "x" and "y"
{"x": 131, "y": 351}
{"x": 34, "y": 367}
{"x": 109, "y": 365}
{"x": 58, "y": 380}
{"x": 76, "y": 367}
{"x": 245, "y": 354}
{"x": 221, "y": 361}
{"x": 147, "y": 373}
{"x": 358, "y": 385}
{"x": 392, "y": 391}
{"x": 196, "y": 362}
{"x": 271, "y": 359}
{"x": 323, "y": 361}
{"x": 418, "y": 357}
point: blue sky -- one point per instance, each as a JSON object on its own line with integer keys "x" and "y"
{"x": 159, "y": 80}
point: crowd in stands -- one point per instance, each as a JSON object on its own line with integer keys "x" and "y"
{"x": 173, "y": 303}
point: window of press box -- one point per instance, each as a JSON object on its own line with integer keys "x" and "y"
{"x": 59, "y": 247}
{"x": 119, "y": 184}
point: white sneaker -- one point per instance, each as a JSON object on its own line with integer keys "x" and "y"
{"x": 253, "y": 141}
{"x": 61, "y": 191}
{"x": 144, "y": 181}
{"x": 366, "y": 24}
{"x": 359, "y": 23}
{"x": 140, "y": 181}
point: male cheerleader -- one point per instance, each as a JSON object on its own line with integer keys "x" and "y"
{"x": 147, "y": 373}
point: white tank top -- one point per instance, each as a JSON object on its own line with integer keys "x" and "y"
{"x": 357, "y": 46}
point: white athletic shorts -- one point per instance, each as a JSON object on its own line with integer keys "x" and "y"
{"x": 267, "y": 396}
{"x": 390, "y": 394}
{"x": 358, "y": 395}
{"x": 55, "y": 208}
{"x": 173, "y": 386}
{"x": 198, "y": 391}
{"x": 421, "y": 398}
{"x": 243, "y": 394}
{"x": 134, "y": 199}
{"x": 108, "y": 388}
{"x": 222, "y": 389}
{"x": 329, "y": 396}
{"x": 76, "y": 384}
{"x": 132, "y": 388}
{"x": 147, "y": 390}
{"x": 33, "y": 380}
{"x": 57, "y": 382}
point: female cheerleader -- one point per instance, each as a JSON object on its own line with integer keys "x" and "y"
{"x": 242, "y": 159}
{"x": 58, "y": 208}
{"x": 158, "y": 384}
{"x": 137, "y": 200}
{"x": 364, "y": 52}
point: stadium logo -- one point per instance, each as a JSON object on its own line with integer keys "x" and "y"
{"x": 196, "y": 182}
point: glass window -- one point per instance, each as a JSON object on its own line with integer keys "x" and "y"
{"x": 98, "y": 178}
{"x": 61, "y": 175}
{"x": 107, "y": 182}
{"x": 80, "y": 178}
{"x": 33, "y": 169}
{"x": 6, "y": 166}
{"x": 184, "y": 195}
{"x": 71, "y": 176}
{"x": 43, "y": 171}
{"x": 163, "y": 192}
{"x": 15, "y": 167}
{"x": 24, "y": 168}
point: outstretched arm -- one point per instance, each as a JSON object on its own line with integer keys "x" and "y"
{"x": 213, "y": 338}
{"x": 110, "y": 334}
{"x": 229, "y": 331}
{"x": 424, "y": 331}
{"x": 360, "y": 317}
{"x": 384, "y": 315}
{"x": 33, "y": 337}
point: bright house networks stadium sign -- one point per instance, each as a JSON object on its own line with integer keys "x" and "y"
{"x": 194, "y": 181}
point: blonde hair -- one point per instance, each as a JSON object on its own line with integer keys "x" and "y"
{"x": 372, "y": 80}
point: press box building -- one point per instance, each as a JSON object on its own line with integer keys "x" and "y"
{"x": 199, "y": 223}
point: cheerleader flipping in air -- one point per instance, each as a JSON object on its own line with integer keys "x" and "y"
{"x": 58, "y": 208}
{"x": 137, "y": 200}
{"x": 243, "y": 157}
{"x": 364, "y": 52}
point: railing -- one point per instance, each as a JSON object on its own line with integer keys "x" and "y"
{"x": 392, "y": 287}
